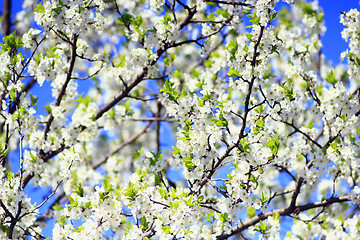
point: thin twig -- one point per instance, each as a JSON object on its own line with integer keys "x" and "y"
{"x": 47, "y": 198}
{"x": 230, "y": 3}
{"x": 63, "y": 89}
{"x": 130, "y": 140}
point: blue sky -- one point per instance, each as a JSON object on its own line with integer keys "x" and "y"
{"x": 333, "y": 44}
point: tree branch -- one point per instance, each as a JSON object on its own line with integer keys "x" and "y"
{"x": 230, "y": 3}
{"x": 63, "y": 89}
{"x": 283, "y": 212}
{"x": 6, "y": 17}
{"x": 130, "y": 140}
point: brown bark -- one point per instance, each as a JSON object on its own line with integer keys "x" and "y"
{"x": 6, "y": 17}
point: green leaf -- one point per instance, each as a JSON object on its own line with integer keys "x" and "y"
{"x": 201, "y": 103}
{"x": 138, "y": 21}
{"x": 143, "y": 223}
{"x": 289, "y": 92}
{"x": 87, "y": 205}
{"x": 225, "y": 13}
{"x": 206, "y": 97}
{"x": 260, "y": 123}
{"x": 4, "y": 152}
{"x": 73, "y": 203}
{"x": 166, "y": 229}
{"x": 268, "y": 75}
{"x": 189, "y": 202}
{"x": 167, "y": 62}
{"x": 163, "y": 193}
{"x": 157, "y": 178}
{"x": 334, "y": 146}
{"x": 63, "y": 220}
{"x": 200, "y": 84}
{"x": 33, "y": 100}
{"x": 127, "y": 18}
{"x": 256, "y": 130}
{"x": 263, "y": 226}
{"x": 244, "y": 145}
{"x": 184, "y": 93}
{"x": 39, "y": 8}
{"x": 273, "y": 144}
{"x": 208, "y": 63}
{"x": 86, "y": 100}
{"x": 221, "y": 122}
{"x": 131, "y": 191}
{"x": 253, "y": 179}
{"x": 57, "y": 10}
{"x": 188, "y": 163}
{"x": 264, "y": 198}
{"x": 330, "y": 78}
{"x": 103, "y": 196}
{"x": 12, "y": 94}
{"x": 61, "y": 3}
{"x": 79, "y": 229}
{"x": 57, "y": 207}
{"x": 170, "y": 90}
{"x": 142, "y": 173}
{"x": 276, "y": 215}
{"x": 195, "y": 72}
{"x": 48, "y": 108}
{"x": 107, "y": 185}
{"x": 174, "y": 204}
{"x": 137, "y": 153}
{"x": 172, "y": 192}
{"x": 9, "y": 175}
{"x": 260, "y": 109}
{"x": 209, "y": 217}
{"x": 223, "y": 217}
{"x": 307, "y": 8}
{"x": 233, "y": 72}
{"x": 250, "y": 211}
{"x": 211, "y": 16}
{"x": 254, "y": 19}
{"x": 156, "y": 157}
{"x": 343, "y": 117}
{"x": 319, "y": 17}
{"x": 167, "y": 19}
{"x": 232, "y": 48}
{"x": 357, "y": 61}
{"x": 79, "y": 190}
{"x": 273, "y": 16}
{"x": 4, "y": 228}
{"x": 176, "y": 150}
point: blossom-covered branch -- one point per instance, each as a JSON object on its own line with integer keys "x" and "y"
{"x": 172, "y": 119}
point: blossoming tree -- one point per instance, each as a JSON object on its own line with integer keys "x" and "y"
{"x": 197, "y": 119}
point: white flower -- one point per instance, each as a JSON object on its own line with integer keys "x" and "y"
{"x": 4, "y": 62}
{"x": 29, "y": 38}
{"x": 157, "y": 5}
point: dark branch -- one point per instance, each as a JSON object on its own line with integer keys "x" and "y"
{"x": 283, "y": 212}
{"x": 230, "y": 3}
{"x": 6, "y": 17}
{"x": 63, "y": 89}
